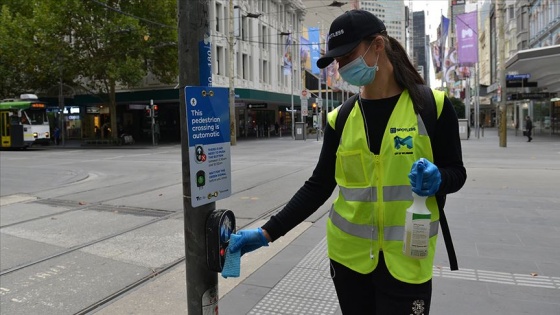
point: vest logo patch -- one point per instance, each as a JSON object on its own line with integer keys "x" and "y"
{"x": 403, "y": 142}
{"x": 395, "y": 130}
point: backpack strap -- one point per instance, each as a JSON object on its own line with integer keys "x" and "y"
{"x": 434, "y": 108}
{"x": 343, "y": 113}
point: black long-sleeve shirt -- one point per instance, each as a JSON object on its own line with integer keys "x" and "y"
{"x": 446, "y": 147}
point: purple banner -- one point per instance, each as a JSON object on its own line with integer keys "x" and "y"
{"x": 467, "y": 38}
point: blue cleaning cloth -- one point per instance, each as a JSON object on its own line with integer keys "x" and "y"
{"x": 232, "y": 265}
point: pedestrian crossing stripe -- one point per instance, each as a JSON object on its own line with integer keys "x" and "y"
{"x": 530, "y": 280}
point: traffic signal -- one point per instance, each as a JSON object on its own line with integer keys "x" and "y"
{"x": 200, "y": 179}
{"x": 155, "y": 110}
{"x": 148, "y": 111}
{"x": 314, "y": 107}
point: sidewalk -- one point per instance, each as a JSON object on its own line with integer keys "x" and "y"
{"x": 505, "y": 224}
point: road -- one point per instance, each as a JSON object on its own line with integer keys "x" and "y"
{"x": 78, "y": 225}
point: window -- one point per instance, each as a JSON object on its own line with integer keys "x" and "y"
{"x": 261, "y": 72}
{"x": 266, "y": 72}
{"x": 220, "y": 58}
{"x": 245, "y": 67}
{"x": 244, "y": 27}
{"x": 219, "y": 17}
{"x": 263, "y": 37}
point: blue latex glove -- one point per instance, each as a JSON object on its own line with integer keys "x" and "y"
{"x": 249, "y": 241}
{"x": 425, "y": 178}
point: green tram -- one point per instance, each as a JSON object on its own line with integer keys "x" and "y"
{"x": 23, "y": 122}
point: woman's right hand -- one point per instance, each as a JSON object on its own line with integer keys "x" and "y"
{"x": 249, "y": 241}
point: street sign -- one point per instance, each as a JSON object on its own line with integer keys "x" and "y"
{"x": 530, "y": 96}
{"x": 520, "y": 83}
{"x": 304, "y": 94}
{"x": 513, "y": 77}
{"x": 304, "y": 108}
{"x": 493, "y": 87}
{"x": 209, "y": 143}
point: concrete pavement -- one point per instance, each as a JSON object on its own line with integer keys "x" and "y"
{"x": 505, "y": 224}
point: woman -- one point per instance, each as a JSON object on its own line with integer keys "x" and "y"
{"x": 373, "y": 161}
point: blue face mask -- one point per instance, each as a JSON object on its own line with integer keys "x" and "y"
{"x": 357, "y": 72}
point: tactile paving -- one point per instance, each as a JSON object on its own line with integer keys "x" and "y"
{"x": 306, "y": 289}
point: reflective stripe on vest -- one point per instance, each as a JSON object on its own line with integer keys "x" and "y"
{"x": 369, "y": 194}
{"x": 390, "y": 233}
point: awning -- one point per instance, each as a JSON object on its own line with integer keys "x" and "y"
{"x": 541, "y": 63}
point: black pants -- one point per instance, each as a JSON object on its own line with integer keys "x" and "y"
{"x": 378, "y": 292}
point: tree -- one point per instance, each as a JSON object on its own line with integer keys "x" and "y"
{"x": 459, "y": 107}
{"x": 100, "y": 46}
{"x": 121, "y": 41}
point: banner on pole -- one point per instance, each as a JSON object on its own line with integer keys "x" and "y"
{"x": 287, "y": 59}
{"x": 443, "y": 37}
{"x": 467, "y": 38}
{"x": 315, "y": 48}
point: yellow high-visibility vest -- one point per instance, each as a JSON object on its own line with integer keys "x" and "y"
{"x": 374, "y": 192}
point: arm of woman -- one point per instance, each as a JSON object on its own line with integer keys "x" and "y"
{"x": 313, "y": 194}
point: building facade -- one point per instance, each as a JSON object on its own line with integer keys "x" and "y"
{"x": 532, "y": 52}
{"x": 392, "y": 13}
{"x": 420, "y": 42}
{"x": 265, "y": 39}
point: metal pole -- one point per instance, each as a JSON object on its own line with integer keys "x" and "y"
{"x": 202, "y": 284}
{"x": 61, "y": 109}
{"x": 232, "y": 121}
{"x": 153, "y": 121}
{"x": 477, "y": 101}
{"x": 468, "y": 105}
{"x": 292, "y": 83}
{"x": 501, "y": 72}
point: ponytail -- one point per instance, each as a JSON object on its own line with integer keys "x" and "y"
{"x": 405, "y": 74}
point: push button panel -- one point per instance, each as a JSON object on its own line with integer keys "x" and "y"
{"x": 219, "y": 227}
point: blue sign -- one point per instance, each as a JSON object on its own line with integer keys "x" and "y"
{"x": 208, "y": 124}
{"x": 205, "y": 63}
{"x": 513, "y": 77}
{"x": 315, "y": 48}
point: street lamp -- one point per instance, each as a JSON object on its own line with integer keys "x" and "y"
{"x": 291, "y": 77}
{"x": 231, "y": 36}
{"x": 232, "y": 122}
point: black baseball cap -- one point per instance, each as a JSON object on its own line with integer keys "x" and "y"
{"x": 347, "y": 31}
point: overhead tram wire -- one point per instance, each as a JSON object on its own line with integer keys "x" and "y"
{"x": 132, "y": 15}
{"x": 271, "y": 13}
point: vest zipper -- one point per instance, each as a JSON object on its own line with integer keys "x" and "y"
{"x": 380, "y": 201}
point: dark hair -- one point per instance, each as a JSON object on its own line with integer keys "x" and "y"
{"x": 405, "y": 74}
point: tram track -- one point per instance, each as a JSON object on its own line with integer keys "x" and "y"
{"x": 136, "y": 227}
{"x": 158, "y": 272}
{"x": 83, "y": 245}
{"x": 153, "y": 273}
{"x": 64, "y": 202}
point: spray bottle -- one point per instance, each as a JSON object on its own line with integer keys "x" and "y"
{"x": 417, "y": 222}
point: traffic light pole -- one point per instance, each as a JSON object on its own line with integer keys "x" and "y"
{"x": 202, "y": 284}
